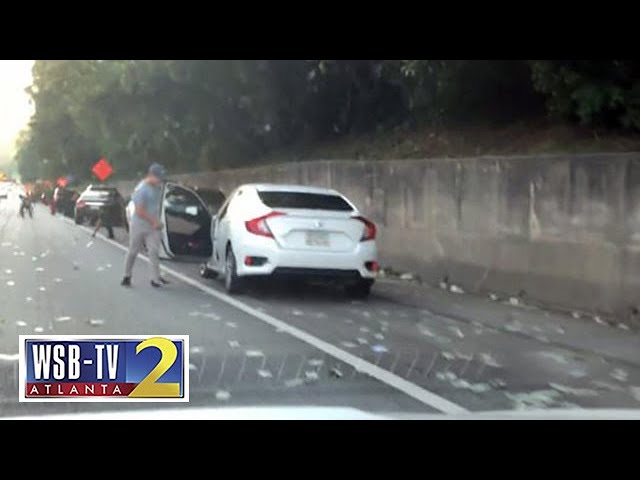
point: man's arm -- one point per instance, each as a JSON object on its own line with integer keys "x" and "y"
{"x": 142, "y": 213}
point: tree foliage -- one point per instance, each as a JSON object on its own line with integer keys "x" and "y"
{"x": 593, "y": 92}
{"x": 197, "y": 114}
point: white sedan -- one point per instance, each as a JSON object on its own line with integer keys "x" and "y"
{"x": 295, "y": 231}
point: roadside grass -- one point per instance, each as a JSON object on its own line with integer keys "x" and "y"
{"x": 470, "y": 141}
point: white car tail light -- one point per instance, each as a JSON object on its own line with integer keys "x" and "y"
{"x": 369, "y": 229}
{"x": 372, "y": 266}
{"x": 258, "y": 226}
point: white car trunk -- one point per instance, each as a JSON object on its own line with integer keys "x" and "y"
{"x": 316, "y": 230}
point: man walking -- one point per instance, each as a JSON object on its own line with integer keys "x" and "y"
{"x": 145, "y": 225}
{"x": 110, "y": 215}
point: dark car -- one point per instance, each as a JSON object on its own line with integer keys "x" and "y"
{"x": 66, "y": 201}
{"x": 100, "y": 201}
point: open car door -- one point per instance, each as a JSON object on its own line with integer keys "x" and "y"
{"x": 187, "y": 222}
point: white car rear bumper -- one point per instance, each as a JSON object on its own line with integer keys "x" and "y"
{"x": 288, "y": 260}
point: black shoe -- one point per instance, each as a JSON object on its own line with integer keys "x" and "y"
{"x": 164, "y": 281}
{"x": 155, "y": 284}
{"x": 126, "y": 282}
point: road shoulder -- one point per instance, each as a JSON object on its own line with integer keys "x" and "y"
{"x": 579, "y": 334}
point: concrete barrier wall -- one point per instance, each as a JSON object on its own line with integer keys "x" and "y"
{"x": 563, "y": 229}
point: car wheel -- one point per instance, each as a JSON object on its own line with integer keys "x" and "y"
{"x": 78, "y": 220}
{"x": 206, "y": 272}
{"x": 361, "y": 289}
{"x": 232, "y": 283}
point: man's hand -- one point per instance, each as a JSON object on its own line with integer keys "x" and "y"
{"x": 142, "y": 213}
{"x": 156, "y": 224}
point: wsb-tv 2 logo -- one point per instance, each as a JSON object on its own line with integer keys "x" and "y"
{"x": 99, "y": 368}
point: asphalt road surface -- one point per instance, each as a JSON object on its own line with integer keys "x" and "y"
{"x": 283, "y": 346}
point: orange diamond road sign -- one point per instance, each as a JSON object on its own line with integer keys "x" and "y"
{"x": 102, "y": 169}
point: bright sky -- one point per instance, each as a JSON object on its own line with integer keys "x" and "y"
{"x": 15, "y": 108}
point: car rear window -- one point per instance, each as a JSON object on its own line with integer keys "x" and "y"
{"x": 98, "y": 194}
{"x": 310, "y": 201}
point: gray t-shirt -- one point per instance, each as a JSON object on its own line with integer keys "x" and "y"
{"x": 148, "y": 197}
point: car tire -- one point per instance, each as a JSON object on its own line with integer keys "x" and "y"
{"x": 232, "y": 282}
{"x": 360, "y": 290}
{"x": 78, "y": 220}
{"x": 206, "y": 272}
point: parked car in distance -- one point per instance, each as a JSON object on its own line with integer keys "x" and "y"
{"x": 4, "y": 189}
{"x": 66, "y": 202}
{"x": 100, "y": 200}
{"x": 292, "y": 231}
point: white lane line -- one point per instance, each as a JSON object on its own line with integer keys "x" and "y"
{"x": 361, "y": 365}
{"x": 9, "y": 357}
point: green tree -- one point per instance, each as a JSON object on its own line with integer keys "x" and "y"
{"x": 592, "y": 92}
{"x": 201, "y": 114}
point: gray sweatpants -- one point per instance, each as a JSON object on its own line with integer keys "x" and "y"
{"x": 140, "y": 235}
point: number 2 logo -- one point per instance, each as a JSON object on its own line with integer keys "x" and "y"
{"x": 148, "y": 387}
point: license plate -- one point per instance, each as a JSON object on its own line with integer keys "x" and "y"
{"x": 317, "y": 239}
{"x": 94, "y": 207}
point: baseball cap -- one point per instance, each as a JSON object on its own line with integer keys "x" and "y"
{"x": 158, "y": 171}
